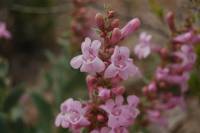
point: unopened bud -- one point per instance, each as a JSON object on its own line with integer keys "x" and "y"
{"x": 100, "y": 118}
{"x": 170, "y": 21}
{"x": 115, "y": 23}
{"x": 116, "y": 36}
{"x": 99, "y": 20}
{"x": 118, "y": 90}
{"x": 130, "y": 27}
{"x": 91, "y": 83}
{"x": 164, "y": 52}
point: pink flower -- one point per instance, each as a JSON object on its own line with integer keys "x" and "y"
{"x": 72, "y": 114}
{"x": 120, "y": 114}
{"x": 155, "y": 116}
{"x": 89, "y": 60}
{"x": 104, "y": 93}
{"x": 142, "y": 50}
{"x": 4, "y": 33}
{"x": 130, "y": 27}
{"x": 187, "y": 38}
{"x": 121, "y": 65}
{"x": 172, "y": 102}
{"x": 188, "y": 57}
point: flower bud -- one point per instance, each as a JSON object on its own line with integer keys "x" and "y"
{"x": 100, "y": 118}
{"x": 91, "y": 83}
{"x": 116, "y": 36}
{"x": 118, "y": 90}
{"x": 130, "y": 27}
{"x": 99, "y": 20}
{"x": 152, "y": 87}
{"x": 115, "y": 23}
{"x": 170, "y": 21}
{"x": 104, "y": 93}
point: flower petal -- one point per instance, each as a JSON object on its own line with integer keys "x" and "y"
{"x": 111, "y": 71}
{"x": 76, "y": 62}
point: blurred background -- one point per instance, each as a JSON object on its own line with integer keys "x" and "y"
{"x": 35, "y": 75}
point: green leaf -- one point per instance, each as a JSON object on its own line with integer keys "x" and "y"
{"x": 45, "y": 113}
{"x": 12, "y": 99}
{"x": 3, "y": 126}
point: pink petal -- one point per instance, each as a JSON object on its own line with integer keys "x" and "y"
{"x": 133, "y": 100}
{"x": 98, "y": 65}
{"x": 111, "y": 71}
{"x": 76, "y": 62}
{"x": 96, "y": 44}
{"x": 124, "y": 51}
{"x": 86, "y": 44}
{"x": 119, "y": 100}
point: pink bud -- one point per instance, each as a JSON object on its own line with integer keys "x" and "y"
{"x": 99, "y": 20}
{"x": 115, "y": 23}
{"x": 104, "y": 93}
{"x": 116, "y": 35}
{"x": 130, "y": 27}
{"x": 91, "y": 83}
{"x": 152, "y": 87}
{"x": 100, "y": 118}
{"x": 118, "y": 90}
{"x": 170, "y": 20}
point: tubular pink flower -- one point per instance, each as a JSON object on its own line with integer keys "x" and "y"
{"x": 89, "y": 61}
{"x": 4, "y": 33}
{"x": 188, "y": 57}
{"x": 155, "y": 116}
{"x": 143, "y": 49}
{"x": 187, "y": 38}
{"x": 130, "y": 27}
{"x": 121, "y": 65}
{"x": 72, "y": 114}
{"x": 120, "y": 114}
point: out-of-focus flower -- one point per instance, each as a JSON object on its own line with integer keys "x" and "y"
{"x": 187, "y": 38}
{"x": 170, "y": 21}
{"x": 89, "y": 60}
{"x": 121, "y": 65}
{"x": 4, "y": 33}
{"x": 155, "y": 116}
{"x": 130, "y": 27}
{"x": 188, "y": 57}
{"x": 72, "y": 114}
{"x": 171, "y": 102}
{"x": 143, "y": 49}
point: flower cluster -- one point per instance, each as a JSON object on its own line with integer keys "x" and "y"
{"x": 106, "y": 64}
{"x": 170, "y": 82}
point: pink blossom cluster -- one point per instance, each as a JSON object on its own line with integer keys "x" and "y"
{"x": 107, "y": 65}
{"x": 170, "y": 82}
